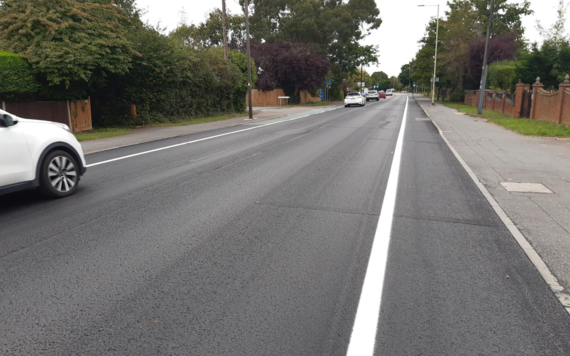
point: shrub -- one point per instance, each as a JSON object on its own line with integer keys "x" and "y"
{"x": 16, "y": 74}
{"x": 457, "y": 96}
{"x": 341, "y": 95}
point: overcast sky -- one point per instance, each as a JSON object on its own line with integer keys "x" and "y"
{"x": 403, "y": 23}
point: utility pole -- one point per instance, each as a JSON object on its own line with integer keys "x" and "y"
{"x": 361, "y": 74}
{"x": 224, "y": 29}
{"x": 246, "y": 9}
{"x": 485, "y": 57}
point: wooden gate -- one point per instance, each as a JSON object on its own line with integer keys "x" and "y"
{"x": 80, "y": 112}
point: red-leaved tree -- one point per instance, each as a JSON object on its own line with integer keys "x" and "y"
{"x": 293, "y": 67}
{"x": 501, "y": 47}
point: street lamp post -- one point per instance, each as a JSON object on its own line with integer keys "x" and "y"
{"x": 485, "y": 58}
{"x": 435, "y": 58}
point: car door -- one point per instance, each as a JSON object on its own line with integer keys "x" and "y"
{"x": 15, "y": 158}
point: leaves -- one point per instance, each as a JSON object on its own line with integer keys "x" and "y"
{"x": 67, "y": 41}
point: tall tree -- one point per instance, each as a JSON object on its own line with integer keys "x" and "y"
{"x": 67, "y": 41}
{"x": 293, "y": 67}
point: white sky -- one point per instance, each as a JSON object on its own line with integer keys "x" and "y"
{"x": 403, "y": 23}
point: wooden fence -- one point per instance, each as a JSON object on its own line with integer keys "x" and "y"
{"x": 75, "y": 114}
{"x": 270, "y": 98}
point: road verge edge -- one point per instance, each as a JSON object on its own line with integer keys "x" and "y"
{"x": 531, "y": 253}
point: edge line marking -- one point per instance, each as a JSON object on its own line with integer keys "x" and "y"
{"x": 363, "y": 336}
{"x": 200, "y": 139}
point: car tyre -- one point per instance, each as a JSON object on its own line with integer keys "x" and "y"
{"x": 59, "y": 175}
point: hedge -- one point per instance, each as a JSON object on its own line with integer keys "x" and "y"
{"x": 17, "y": 76}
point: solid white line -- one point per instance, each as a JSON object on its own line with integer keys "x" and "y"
{"x": 365, "y": 325}
{"x": 198, "y": 140}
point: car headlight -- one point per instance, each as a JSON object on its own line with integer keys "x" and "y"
{"x": 62, "y": 126}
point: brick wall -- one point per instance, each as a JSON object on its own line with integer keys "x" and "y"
{"x": 553, "y": 106}
{"x": 538, "y": 104}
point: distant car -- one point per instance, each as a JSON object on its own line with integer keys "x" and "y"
{"x": 382, "y": 94}
{"x": 354, "y": 99}
{"x": 40, "y": 154}
{"x": 372, "y": 95}
{"x": 389, "y": 92}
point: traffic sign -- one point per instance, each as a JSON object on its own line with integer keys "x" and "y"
{"x": 436, "y": 79}
{"x": 328, "y": 83}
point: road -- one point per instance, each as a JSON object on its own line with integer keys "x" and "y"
{"x": 256, "y": 242}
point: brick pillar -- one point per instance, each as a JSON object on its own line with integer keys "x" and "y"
{"x": 504, "y": 97}
{"x": 561, "y": 88}
{"x": 535, "y": 87}
{"x": 519, "y": 89}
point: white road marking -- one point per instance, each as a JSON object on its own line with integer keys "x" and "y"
{"x": 365, "y": 325}
{"x": 201, "y": 139}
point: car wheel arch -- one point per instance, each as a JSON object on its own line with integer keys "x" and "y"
{"x": 62, "y": 146}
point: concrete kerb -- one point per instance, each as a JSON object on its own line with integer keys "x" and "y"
{"x": 151, "y": 134}
{"x": 533, "y": 256}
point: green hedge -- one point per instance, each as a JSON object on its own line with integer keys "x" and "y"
{"x": 16, "y": 74}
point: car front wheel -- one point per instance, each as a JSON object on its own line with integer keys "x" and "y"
{"x": 59, "y": 175}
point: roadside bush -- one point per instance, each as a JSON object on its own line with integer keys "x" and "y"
{"x": 457, "y": 96}
{"x": 16, "y": 75}
{"x": 341, "y": 95}
{"x": 501, "y": 75}
{"x": 168, "y": 82}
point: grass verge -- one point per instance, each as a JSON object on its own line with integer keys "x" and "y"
{"x": 118, "y": 131}
{"x": 531, "y": 127}
{"x": 102, "y": 133}
{"x": 522, "y": 126}
{"x": 197, "y": 121}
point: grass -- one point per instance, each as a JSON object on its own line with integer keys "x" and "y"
{"x": 102, "y": 133}
{"x": 532, "y": 127}
{"x": 121, "y": 131}
{"x": 470, "y": 110}
{"x": 197, "y": 121}
{"x": 522, "y": 126}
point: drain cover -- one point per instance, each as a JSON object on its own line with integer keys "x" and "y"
{"x": 526, "y": 187}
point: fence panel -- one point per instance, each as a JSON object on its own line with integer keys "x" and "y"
{"x": 41, "y": 110}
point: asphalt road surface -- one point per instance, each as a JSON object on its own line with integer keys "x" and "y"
{"x": 257, "y": 243}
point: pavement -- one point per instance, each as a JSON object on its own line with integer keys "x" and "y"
{"x": 497, "y": 155}
{"x": 148, "y": 134}
{"x": 255, "y": 240}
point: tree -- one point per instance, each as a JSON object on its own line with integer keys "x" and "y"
{"x": 506, "y": 15}
{"x": 334, "y": 28}
{"x": 210, "y": 32}
{"x": 502, "y": 47}
{"x": 66, "y": 41}
{"x": 293, "y": 67}
{"x": 462, "y": 27}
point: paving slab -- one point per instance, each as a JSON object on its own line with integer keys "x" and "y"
{"x": 497, "y": 156}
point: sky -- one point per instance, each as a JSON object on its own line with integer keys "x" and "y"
{"x": 403, "y": 23}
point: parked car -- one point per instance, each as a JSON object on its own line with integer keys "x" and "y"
{"x": 40, "y": 154}
{"x": 381, "y": 94}
{"x": 372, "y": 95}
{"x": 389, "y": 92}
{"x": 354, "y": 98}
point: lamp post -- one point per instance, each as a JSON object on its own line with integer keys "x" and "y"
{"x": 485, "y": 58}
{"x": 434, "y": 58}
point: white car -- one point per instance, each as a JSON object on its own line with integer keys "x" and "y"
{"x": 389, "y": 92}
{"x": 354, "y": 99}
{"x": 40, "y": 154}
{"x": 372, "y": 95}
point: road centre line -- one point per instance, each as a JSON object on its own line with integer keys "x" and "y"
{"x": 363, "y": 337}
{"x": 201, "y": 139}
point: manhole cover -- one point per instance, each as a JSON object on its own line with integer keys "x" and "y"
{"x": 526, "y": 187}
